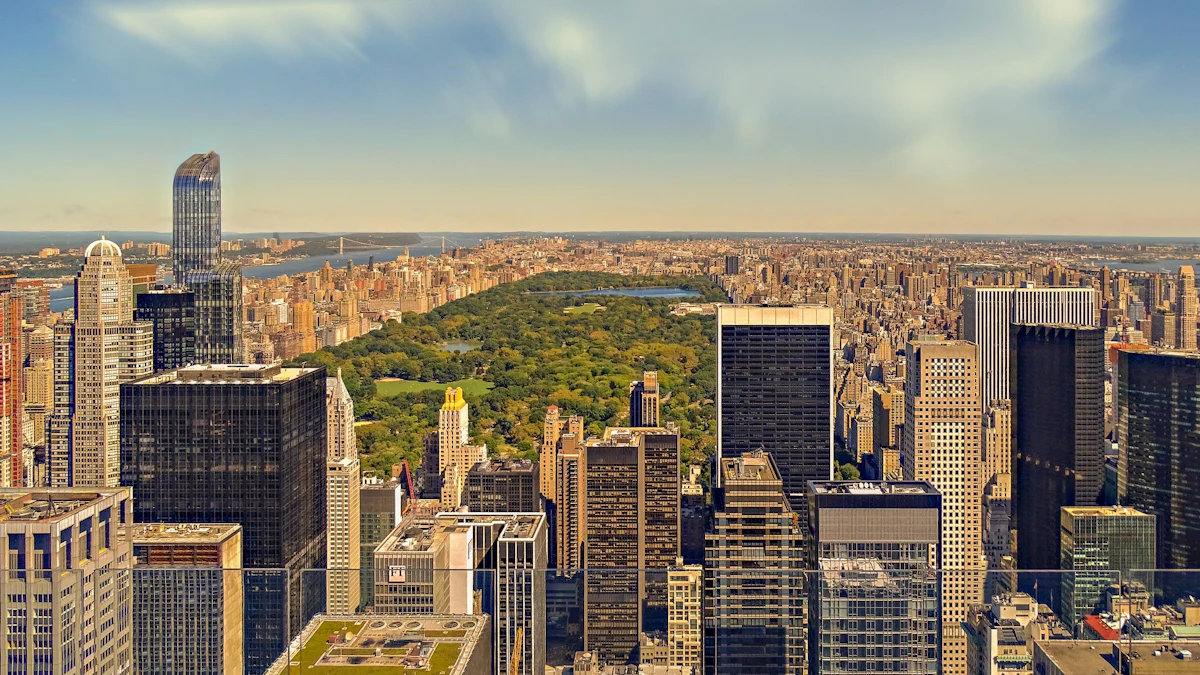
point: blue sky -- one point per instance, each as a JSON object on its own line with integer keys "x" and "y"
{"x": 1038, "y": 116}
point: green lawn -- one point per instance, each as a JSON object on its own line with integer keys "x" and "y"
{"x": 444, "y": 655}
{"x": 392, "y": 387}
{"x": 586, "y": 308}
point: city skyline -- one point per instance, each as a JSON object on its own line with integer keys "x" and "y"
{"x": 1008, "y": 119}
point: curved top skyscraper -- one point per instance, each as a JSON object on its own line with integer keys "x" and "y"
{"x": 196, "y": 245}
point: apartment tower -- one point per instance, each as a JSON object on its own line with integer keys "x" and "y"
{"x": 643, "y": 400}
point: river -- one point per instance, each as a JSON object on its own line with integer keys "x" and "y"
{"x": 1170, "y": 265}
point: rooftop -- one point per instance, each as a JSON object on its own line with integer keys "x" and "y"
{"x": 495, "y": 465}
{"x": 48, "y": 504}
{"x": 516, "y": 525}
{"x": 872, "y": 488}
{"x": 431, "y": 644}
{"x": 755, "y": 465}
{"x": 1102, "y": 511}
{"x": 1098, "y": 657}
{"x": 227, "y": 373}
{"x": 188, "y": 533}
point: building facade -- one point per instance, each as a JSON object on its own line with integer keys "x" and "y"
{"x": 12, "y": 361}
{"x": 685, "y": 618}
{"x": 1185, "y": 308}
{"x": 381, "y": 506}
{"x": 239, "y": 444}
{"x": 503, "y": 486}
{"x": 188, "y": 599}
{"x": 644, "y": 400}
{"x": 874, "y": 601}
{"x": 1058, "y": 432}
{"x": 196, "y": 216}
{"x": 1099, "y": 545}
{"x": 344, "y": 481}
{"x": 172, "y": 313}
{"x": 775, "y": 391}
{"x": 455, "y": 455}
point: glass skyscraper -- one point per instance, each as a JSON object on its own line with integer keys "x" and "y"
{"x": 775, "y": 391}
{"x": 172, "y": 311}
{"x": 196, "y": 229}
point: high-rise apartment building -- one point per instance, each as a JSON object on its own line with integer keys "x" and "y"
{"x": 218, "y": 296}
{"x": 344, "y": 481}
{"x": 172, "y": 313}
{"x": 1158, "y": 403}
{"x": 988, "y": 315}
{"x": 775, "y": 391}
{"x": 68, "y": 598}
{"x": 304, "y": 325}
{"x": 503, "y": 486}
{"x": 874, "y": 594}
{"x": 630, "y": 535}
{"x": 568, "y": 506}
{"x": 685, "y": 617}
{"x": 455, "y": 455}
{"x": 552, "y": 430}
{"x": 1099, "y": 545}
{"x": 107, "y": 347}
{"x": 12, "y": 360}
{"x": 188, "y": 599}
{"x": 887, "y": 415}
{"x": 754, "y": 578}
{"x": 644, "y": 401}
{"x": 381, "y": 506}
{"x": 239, "y": 444}
{"x": 1058, "y": 441}
{"x": 942, "y": 446}
{"x": 1185, "y": 309}
{"x": 196, "y": 217}
{"x": 39, "y": 400}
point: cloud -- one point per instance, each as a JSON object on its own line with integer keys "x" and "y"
{"x": 933, "y": 86}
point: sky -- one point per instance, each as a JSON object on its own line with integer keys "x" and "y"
{"x": 926, "y": 116}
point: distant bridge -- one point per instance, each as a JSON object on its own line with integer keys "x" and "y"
{"x": 362, "y": 245}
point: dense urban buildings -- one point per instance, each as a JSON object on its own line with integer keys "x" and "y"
{"x": 1158, "y": 412}
{"x": 239, "y": 444}
{"x": 775, "y": 389}
{"x": 1099, "y": 545}
{"x": 188, "y": 599}
{"x": 874, "y": 600}
{"x": 754, "y": 578}
{"x": 942, "y": 446}
{"x": 66, "y": 579}
{"x": 101, "y": 349}
{"x": 1057, "y": 388}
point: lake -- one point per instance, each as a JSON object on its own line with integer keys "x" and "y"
{"x": 1171, "y": 265}
{"x": 457, "y": 347}
{"x": 658, "y": 292}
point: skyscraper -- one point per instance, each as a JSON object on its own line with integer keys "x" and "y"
{"x": 1099, "y": 545}
{"x": 11, "y": 362}
{"x": 107, "y": 347}
{"x": 552, "y": 430}
{"x": 239, "y": 444}
{"x": 503, "y": 486}
{"x": 942, "y": 446}
{"x": 381, "y": 506}
{"x": 218, "y": 295}
{"x": 873, "y": 597}
{"x": 568, "y": 506}
{"x": 344, "y": 481}
{"x": 302, "y": 322}
{"x": 66, "y": 579}
{"x": 196, "y": 233}
{"x": 1158, "y": 402}
{"x": 775, "y": 391}
{"x": 172, "y": 313}
{"x": 988, "y": 314}
{"x": 188, "y": 599}
{"x": 1185, "y": 308}
{"x": 455, "y": 455}
{"x": 643, "y": 400}
{"x": 754, "y": 576}
{"x": 1058, "y": 441}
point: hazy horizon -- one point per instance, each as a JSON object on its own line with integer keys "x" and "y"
{"x": 1069, "y": 118}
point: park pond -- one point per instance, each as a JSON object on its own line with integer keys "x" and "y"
{"x": 458, "y": 346}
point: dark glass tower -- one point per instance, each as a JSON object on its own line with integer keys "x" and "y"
{"x": 1056, "y": 380}
{"x": 172, "y": 311}
{"x": 775, "y": 391}
{"x": 218, "y": 296}
{"x": 239, "y": 444}
{"x": 196, "y": 232}
{"x": 1158, "y": 413}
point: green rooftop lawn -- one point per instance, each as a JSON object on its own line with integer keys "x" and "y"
{"x": 443, "y": 659}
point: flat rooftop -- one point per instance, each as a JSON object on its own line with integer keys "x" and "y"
{"x": 750, "y": 466}
{"x": 183, "y": 533}
{"x": 227, "y": 373}
{"x": 1096, "y": 657}
{"x": 430, "y": 644}
{"x": 515, "y": 525}
{"x": 503, "y": 466}
{"x": 1103, "y": 511}
{"x": 47, "y": 504}
{"x": 838, "y": 487}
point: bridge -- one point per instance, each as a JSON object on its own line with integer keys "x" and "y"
{"x": 361, "y": 245}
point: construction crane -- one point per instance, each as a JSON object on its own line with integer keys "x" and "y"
{"x": 515, "y": 650}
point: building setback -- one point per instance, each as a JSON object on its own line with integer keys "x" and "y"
{"x": 188, "y": 599}
{"x": 239, "y": 444}
{"x": 775, "y": 391}
{"x": 1057, "y": 386}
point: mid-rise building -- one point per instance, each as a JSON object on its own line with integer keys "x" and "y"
{"x": 503, "y": 486}
{"x": 188, "y": 599}
{"x": 644, "y": 401}
{"x": 754, "y": 574}
{"x": 381, "y": 506}
{"x": 68, "y": 596}
{"x": 1057, "y": 432}
{"x": 685, "y": 618}
{"x": 239, "y": 444}
{"x": 942, "y": 445}
{"x": 1099, "y": 545}
{"x": 106, "y": 348}
{"x": 874, "y": 601}
{"x": 172, "y": 313}
{"x": 775, "y": 391}
{"x": 989, "y": 313}
{"x": 1158, "y": 412}
{"x": 1000, "y": 636}
{"x": 426, "y": 567}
